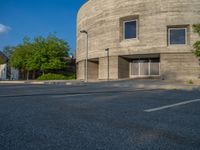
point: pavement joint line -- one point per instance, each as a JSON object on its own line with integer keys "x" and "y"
{"x": 71, "y": 95}
{"x": 172, "y": 105}
{"x": 89, "y": 93}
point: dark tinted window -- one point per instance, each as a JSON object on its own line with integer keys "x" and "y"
{"x": 155, "y": 60}
{"x": 130, "y": 29}
{"x": 177, "y": 36}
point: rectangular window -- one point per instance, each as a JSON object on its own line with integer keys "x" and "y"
{"x": 177, "y": 36}
{"x": 130, "y": 29}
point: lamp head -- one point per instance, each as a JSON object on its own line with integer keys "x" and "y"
{"x": 107, "y": 49}
{"x": 84, "y": 31}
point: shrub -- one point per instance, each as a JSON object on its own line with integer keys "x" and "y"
{"x": 51, "y": 76}
{"x": 71, "y": 77}
{"x": 190, "y": 82}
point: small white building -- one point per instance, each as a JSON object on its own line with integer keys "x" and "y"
{"x": 7, "y": 72}
{"x": 3, "y": 72}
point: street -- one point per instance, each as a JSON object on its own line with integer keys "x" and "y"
{"x": 97, "y": 117}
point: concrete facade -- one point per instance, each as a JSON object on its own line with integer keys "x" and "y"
{"x": 103, "y": 20}
{"x": 3, "y": 72}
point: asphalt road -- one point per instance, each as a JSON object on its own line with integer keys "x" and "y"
{"x": 97, "y": 117}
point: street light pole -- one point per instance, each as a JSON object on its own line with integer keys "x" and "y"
{"x": 108, "y": 61}
{"x": 86, "y": 59}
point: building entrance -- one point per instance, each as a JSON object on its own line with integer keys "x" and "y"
{"x": 144, "y": 67}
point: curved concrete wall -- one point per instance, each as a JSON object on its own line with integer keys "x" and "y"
{"x": 102, "y": 19}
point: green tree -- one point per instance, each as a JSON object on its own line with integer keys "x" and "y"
{"x": 8, "y": 51}
{"x": 1, "y": 61}
{"x": 43, "y": 54}
{"x": 196, "y": 45}
{"x": 21, "y": 55}
{"x": 48, "y": 54}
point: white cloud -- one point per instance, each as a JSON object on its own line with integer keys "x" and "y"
{"x": 4, "y": 29}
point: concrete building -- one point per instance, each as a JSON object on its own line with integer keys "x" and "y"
{"x": 146, "y": 38}
{"x": 7, "y": 72}
{"x": 3, "y": 66}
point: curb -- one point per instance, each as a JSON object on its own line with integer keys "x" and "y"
{"x": 43, "y": 82}
{"x": 163, "y": 87}
{"x": 151, "y": 86}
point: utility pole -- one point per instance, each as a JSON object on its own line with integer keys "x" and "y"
{"x": 108, "y": 61}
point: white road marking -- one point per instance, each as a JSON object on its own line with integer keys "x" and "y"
{"x": 173, "y": 105}
{"x": 70, "y": 95}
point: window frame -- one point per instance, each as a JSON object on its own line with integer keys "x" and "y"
{"x": 124, "y": 29}
{"x": 178, "y": 28}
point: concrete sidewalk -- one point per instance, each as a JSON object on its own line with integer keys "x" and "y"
{"x": 156, "y": 84}
{"x": 150, "y": 84}
{"x": 57, "y": 82}
{"x": 128, "y": 83}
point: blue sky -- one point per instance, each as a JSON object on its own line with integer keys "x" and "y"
{"x": 19, "y": 18}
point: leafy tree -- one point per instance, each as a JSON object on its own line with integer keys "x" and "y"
{"x": 196, "y": 45}
{"x": 8, "y": 51}
{"x": 43, "y": 54}
{"x": 48, "y": 54}
{"x": 1, "y": 61}
{"x": 21, "y": 55}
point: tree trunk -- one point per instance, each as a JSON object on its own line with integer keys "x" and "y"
{"x": 27, "y": 75}
{"x": 33, "y": 76}
{"x": 23, "y": 74}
